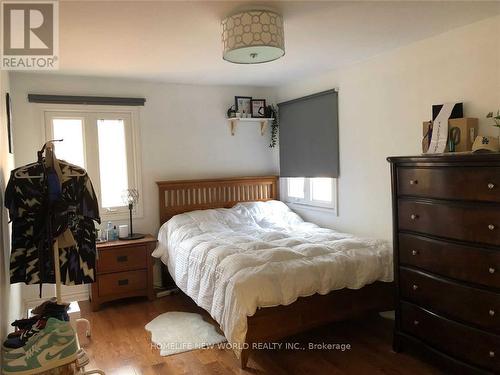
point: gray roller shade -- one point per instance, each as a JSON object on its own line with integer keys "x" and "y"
{"x": 309, "y": 136}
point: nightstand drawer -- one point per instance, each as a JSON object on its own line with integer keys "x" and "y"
{"x": 122, "y": 282}
{"x": 122, "y": 259}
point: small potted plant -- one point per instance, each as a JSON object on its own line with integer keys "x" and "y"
{"x": 496, "y": 118}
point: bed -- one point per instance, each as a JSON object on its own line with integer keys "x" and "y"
{"x": 260, "y": 271}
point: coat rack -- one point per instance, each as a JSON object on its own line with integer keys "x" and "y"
{"x": 51, "y": 162}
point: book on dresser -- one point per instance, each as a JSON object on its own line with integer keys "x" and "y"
{"x": 446, "y": 223}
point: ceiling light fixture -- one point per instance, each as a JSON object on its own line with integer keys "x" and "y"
{"x": 253, "y": 37}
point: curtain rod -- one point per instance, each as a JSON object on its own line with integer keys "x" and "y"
{"x": 88, "y": 100}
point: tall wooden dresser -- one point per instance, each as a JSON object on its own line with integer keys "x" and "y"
{"x": 446, "y": 213}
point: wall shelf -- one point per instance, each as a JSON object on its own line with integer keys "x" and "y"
{"x": 262, "y": 121}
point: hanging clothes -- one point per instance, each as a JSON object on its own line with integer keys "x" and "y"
{"x": 32, "y": 192}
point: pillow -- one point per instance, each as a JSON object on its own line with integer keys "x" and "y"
{"x": 269, "y": 213}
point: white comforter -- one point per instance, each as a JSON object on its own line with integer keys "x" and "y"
{"x": 259, "y": 254}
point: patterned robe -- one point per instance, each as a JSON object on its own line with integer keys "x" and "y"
{"x": 26, "y": 198}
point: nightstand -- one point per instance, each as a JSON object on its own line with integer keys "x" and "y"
{"x": 124, "y": 269}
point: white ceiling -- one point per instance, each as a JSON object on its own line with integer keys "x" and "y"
{"x": 180, "y": 41}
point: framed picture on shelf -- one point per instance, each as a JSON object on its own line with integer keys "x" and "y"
{"x": 258, "y": 107}
{"x": 243, "y": 104}
{"x": 8, "y": 109}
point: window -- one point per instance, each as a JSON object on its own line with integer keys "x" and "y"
{"x": 319, "y": 192}
{"x": 104, "y": 142}
{"x": 71, "y": 130}
{"x": 112, "y": 161}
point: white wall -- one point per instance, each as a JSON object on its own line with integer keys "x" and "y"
{"x": 382, "y": 103}
{"x": 183, "y": 132}
{"x": 10, "y": 297}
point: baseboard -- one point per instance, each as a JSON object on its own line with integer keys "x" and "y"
{"x": 82, "y": 295}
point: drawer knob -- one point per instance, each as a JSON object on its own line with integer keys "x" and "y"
{"x": 491, "y": 185}
{"x": 491, "y": 312}
{"x": 414, "y": 216}
{"x": 413, "y": 182}
{"x": 414, "y": 252}
{"x": 491, "y": 270}
{"x": 122, "y": 258}
{"x": 492, "y": 354}
{"x": 416, "y": 322}
{"x": 123, "y": 282}
{"x": 415, "y": 286}
{"x": 491, "y": 227}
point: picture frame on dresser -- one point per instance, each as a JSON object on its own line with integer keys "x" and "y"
{"x": 446, "y": 231}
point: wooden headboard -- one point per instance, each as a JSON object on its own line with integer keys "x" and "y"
{"x": 177, "y": 197}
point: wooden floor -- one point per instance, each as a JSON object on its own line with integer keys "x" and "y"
{"x": 120, "y": 345}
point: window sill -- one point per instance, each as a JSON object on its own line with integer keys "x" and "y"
{"x": 311, "y": 207}
{"x": 120, "y": 216}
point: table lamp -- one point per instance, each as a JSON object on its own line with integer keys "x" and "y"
{"x": 131, "y": 197}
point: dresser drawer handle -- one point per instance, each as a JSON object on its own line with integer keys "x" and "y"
{"x": 413, "y": 182}
{"x": 414, "y": 216}
{"x": 491, "y": 227}
{"x": 123, "y": 282}
{"x": 492, "y": 354}
{"x": 416, "y": 322}
{"x": 491, "y": 270}
{"x": 491, "y": 312}
{"x": 491, "y": 185}
{"x": 414, "y": 252}
{"x": 414, "y": 286}
{"x": 122, "y": 258}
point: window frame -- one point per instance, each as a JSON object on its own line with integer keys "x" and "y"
{"x": 307, "y": 201}
{"x": 89, "y": 113}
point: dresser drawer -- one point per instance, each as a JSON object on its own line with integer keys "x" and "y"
{"x": 122, "y": 259}
{"x": 122, "y": 282}
{"x": 457, "y": 340}
{"x": 454, "y": 300}
{"x": 473, "y": 222}
{"x": 467, "y": 263}
{"x": 463, "y": 183}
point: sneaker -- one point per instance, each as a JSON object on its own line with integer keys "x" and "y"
{"x": 50, "y": 307}
{"x": 15, "y": 333}
{"x": 25, "y": 323}
{"x": 40, "y": 308}
{"x": 53, "y": 346}
{"x": 19, "y": 341}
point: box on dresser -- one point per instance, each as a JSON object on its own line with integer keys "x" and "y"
{"x": 467, "y": 132}
{"x": 124, "y": 269}
{"x": 446, "y": 218}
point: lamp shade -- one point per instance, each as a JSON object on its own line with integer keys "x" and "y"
{"x": 253, "y": 37}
